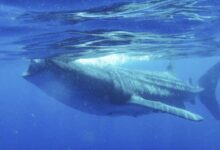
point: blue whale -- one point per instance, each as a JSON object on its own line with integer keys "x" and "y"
{"x": 115, "y": 91}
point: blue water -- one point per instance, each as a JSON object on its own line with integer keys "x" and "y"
{"x": 185, "y": 32}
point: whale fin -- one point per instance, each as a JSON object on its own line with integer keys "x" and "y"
{"x": 190, "y": 81}
{"x": 156, "y": 105}
{"x": 169, "y": 68}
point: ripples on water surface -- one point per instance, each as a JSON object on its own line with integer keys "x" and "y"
{"x": 155, "y": 28}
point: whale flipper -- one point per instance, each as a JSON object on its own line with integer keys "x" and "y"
{"x": 157, "y": 105}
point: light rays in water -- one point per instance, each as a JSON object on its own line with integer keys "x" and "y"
{"x": 71, "y": 32}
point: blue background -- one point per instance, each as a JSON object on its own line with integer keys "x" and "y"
{"x": 31, "y": 120}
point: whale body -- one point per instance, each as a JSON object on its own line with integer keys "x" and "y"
{"x": 113, "y": 91}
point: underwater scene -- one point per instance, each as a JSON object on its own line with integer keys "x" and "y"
{"x": 109, "y": 75}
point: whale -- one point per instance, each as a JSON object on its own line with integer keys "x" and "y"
{"x": 118, "y": 91}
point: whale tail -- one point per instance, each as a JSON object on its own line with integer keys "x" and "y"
{"x": 209, "y": 82}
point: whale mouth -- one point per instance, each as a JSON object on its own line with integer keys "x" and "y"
{"x": 36, "y": 65}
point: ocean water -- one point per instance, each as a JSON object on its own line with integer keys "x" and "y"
{"x": 137, "y": 34}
